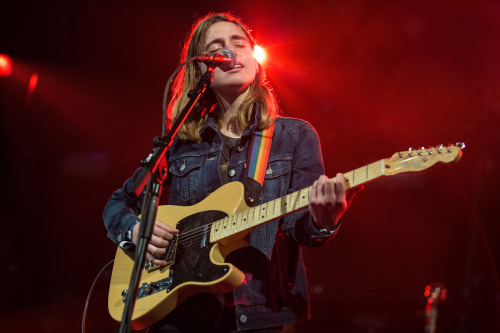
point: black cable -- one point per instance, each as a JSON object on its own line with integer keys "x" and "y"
{"x": 90, "y": 294}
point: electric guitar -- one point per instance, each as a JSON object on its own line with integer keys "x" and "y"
{"x": 216, "y": 226}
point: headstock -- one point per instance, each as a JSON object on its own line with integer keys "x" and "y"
{"x": 422, "y": 159}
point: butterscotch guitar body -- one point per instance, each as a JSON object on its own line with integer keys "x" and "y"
{"x": 198, "y": 266}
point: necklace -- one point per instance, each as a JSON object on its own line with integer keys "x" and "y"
{"x": 224, "y": 166}
{"x": 227, "y": 146}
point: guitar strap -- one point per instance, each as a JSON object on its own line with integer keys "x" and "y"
{"x": 257, "y": 159}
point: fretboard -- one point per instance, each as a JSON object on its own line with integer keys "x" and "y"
{"x": 290, "y": 203}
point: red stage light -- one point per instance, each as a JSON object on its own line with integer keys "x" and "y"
{"x": 32, "y": 85}
{"x": 259, "y": 54}
{"x": 5, "y": 65}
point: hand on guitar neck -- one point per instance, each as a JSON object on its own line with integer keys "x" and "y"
{"x": 329, "y": 200}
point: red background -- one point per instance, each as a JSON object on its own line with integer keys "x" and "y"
{"x": 373, "y": 77}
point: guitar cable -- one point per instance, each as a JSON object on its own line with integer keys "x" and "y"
{"x": 90, "y": 293}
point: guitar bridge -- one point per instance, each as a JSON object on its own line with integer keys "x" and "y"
{"x": 147, "y": 289}
{"x": 168, "y": 256}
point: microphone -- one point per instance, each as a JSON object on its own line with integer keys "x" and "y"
{"x": 225, "y": 59}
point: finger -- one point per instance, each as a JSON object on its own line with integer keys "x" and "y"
{"x": 330, "y": 195}
{"x": 166, "y": 227}
{"x": 171, "y": 229}
{"x": 158, "y": 241}
{"x": 154, "y": 260}
{"x": 340, "y": 187}
{"x": 321, "y": 183}
{"x": 160, "y": 232}
{"x": 321, "y": 188}
{"x": 314, "y": 189}
{"x": 156, "y": 250}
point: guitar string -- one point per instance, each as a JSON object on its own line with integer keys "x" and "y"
{"x": 249, "y": 216}
{"x": 202, "y": 231}
{"x": 377, "y": 165}
{"x": 197, "y": 237}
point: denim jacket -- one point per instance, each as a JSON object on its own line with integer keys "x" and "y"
{"x": 275, "y": 288}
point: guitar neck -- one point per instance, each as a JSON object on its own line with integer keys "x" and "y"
{"x": 290, "y": 203}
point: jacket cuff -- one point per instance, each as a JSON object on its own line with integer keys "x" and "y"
{"x": 125, "y": 236}
{"x": 320, "y": 236}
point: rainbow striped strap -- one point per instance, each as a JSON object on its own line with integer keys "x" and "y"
{"x": 259, "y": 155}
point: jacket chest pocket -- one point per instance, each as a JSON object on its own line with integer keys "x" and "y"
{"x": 187, "y": 178}
{"x": 277, "y": 178}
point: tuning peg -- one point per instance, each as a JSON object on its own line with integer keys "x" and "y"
{"x": 410, "y": 151}
{"x": 460, "y": 145}
{"x": 440, "y": 148}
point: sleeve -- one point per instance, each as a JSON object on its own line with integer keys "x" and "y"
{"x": 121, "y": 213}
{"x": 307, "y": 166}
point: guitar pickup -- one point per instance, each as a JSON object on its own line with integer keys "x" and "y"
{"x": 168, "y": 256}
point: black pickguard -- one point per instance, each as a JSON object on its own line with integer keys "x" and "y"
{"x": 192, "y": 261}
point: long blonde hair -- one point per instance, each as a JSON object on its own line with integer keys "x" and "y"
{"x": 259, "y": 91}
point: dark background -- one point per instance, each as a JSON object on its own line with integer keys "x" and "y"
{"x": 373, "y": 77}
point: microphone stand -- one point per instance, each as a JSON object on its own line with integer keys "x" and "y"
{"x": 153, "y": 173}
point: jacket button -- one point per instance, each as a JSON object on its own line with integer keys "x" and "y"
{"x": 240, "y": 148}
{"x": 232, "y": 173}
{"x": 183, "y": 167}
{"x": 243, "y": 318}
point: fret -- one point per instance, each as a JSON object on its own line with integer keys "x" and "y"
{"x": 237, "y": 222}
{"x": 262, "y": 213}
{"x": 270, "y": 210}
{"x": 256, "y": 216}
{"x": 276, "y": 206}
{"x": 288, "y": 202}
{"x": 245, "y": 217}
{"x": 220, "y": 228}
{"x": 263, "y": 216}
{"x": 231, "y": 223}
{"x": 214, "y": 231}
{"x": 217, "y": 230}
{"x": 243, "y": 220}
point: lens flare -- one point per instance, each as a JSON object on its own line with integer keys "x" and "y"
{"x": 259, "y": 54}
{"x": 5, "y": 65}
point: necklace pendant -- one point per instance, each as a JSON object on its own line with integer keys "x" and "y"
{"x": 224, "y": 167}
